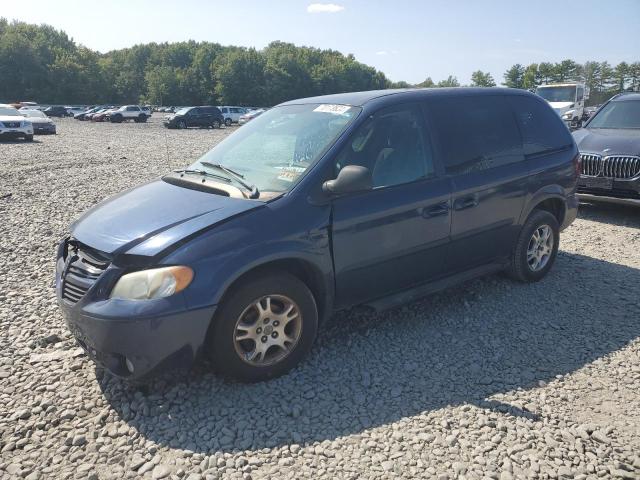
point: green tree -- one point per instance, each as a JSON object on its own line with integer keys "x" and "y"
{"x": 450, "y": 81}
{"x": 514, "y": 77}
{"x": 621, "y": 75}
{"x": 482, "y": 79}
{"x": 239, "y": 76}
{"x": 531, "y": 77}
{"x": 545, "y": 72}
{"x": 426, "y": 83}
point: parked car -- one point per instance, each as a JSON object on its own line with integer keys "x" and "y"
{"x": 319, "y": 204}
{"x": 232, "y": 114}
{"x": 101, "y": 115}
{"x": 71, "y": 111}
{"x": 202, "y": 117}
{"x": 609, "y": 145}
{"x": 14, "y": 125}
{"x": 250, "y": 115}
{"x": 56, "y": 111}
{"x": 146, "y": 110}
{"x": 87, "y": 113}
{"x": 41, "y": 123}
{"x": 128, "y": 112}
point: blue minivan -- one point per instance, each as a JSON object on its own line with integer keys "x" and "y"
{"x": 370, "y": 198}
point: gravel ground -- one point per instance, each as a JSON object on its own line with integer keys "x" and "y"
{"x": 492, "y": 380}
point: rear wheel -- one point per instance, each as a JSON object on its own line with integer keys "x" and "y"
{"x": 536, "y": 249}
{"x": 263, "y": 328}
{"x": 215, "y": 124}
{"x": 142, "y": 118}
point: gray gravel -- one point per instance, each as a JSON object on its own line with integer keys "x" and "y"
{"x": 492, "y": 380}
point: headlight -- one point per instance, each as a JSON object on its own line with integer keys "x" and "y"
{"x": 154, "y": 283}
{"x": 26, "y": 124}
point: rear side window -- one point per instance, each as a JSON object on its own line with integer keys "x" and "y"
{"x": 542, "y": 130}
{"x": 475, "y": 133}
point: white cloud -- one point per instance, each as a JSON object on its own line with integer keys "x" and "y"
{"x": 324, "y": 8}
{"x": 382, "y": 52}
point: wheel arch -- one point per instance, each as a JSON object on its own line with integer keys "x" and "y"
{"x": 551, "y": 199}
{"x": 303, "y": 269}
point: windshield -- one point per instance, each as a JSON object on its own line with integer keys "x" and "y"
{"x": 274, "y": 151}
{"x": 33, "y": 113}
{"x": 9, "y": 112}
{"x": 183, "y": 111}
{"x": 557, "y": 94}
{"x": 618, "y": 115}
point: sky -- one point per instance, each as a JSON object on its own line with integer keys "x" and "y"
{"x": 406, "y": 39}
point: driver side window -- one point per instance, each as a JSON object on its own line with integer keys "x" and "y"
{"x": 392, "y": 145}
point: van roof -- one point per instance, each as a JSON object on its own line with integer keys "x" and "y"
{"x": 358, "y": 99}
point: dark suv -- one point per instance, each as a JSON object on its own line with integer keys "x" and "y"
{"x": 202, "y": 117}
{"x": 373, "y": 198}
{"x": 609, "y": 145}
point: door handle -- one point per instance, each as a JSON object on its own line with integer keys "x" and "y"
{"x": 436, "y": 210}
{"x": 466, "y": 202}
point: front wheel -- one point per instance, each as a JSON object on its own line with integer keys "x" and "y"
{"x": 215, "y": 124}
{"x": 263, "y": 328}
{"x": 536, "y": 249}
{"x": 181, "y": 125}
{"x": 29, "y": 138}
{"x": 227, "y": 122}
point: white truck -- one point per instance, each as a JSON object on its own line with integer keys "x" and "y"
{"x": 128, "y": 112}
{"x": 567, "y": 99}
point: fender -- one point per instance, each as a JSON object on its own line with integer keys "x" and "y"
{"x": 553, "y": 191}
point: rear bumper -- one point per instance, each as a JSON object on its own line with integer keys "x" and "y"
{"x": 571, "y": 212}
{"x": 44, "y": 129}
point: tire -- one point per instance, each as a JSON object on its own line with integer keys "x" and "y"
{"x": 28, "y": 138}
{"x": 116, "y": 119}
{"x": 142, "y": 118}
{"x": 181, "y": 125}
{"x": 215, "y": 124}
{"x": 523, "y": 265}
{"x": 227, "y": 122}
{"x": 232, "y": 358}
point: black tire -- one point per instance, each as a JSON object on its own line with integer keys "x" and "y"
{"x": 519, "y": 267}
{"x": 227, "y": 122}
{"x": 116, "y": 119}
{"x": 181, "y": 125}
{"x": 221, "y": 344}
{"x": 29, "y": 138}
{"x": 216, "y": 124}
{"x": 142, "y": 118}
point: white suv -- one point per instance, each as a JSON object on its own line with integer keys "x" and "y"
{"x": 128, "y": 112}
{"x": 232, "y": 114}
{"x": 13, "y": 125}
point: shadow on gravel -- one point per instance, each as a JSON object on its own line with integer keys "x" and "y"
{"x": 458, "y": 347}
{"x": 621, "y": 215}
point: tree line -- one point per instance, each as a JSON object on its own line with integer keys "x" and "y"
{"x": 40, "y": 63}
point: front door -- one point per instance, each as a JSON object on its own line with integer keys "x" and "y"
{"x": 394, "y": 236}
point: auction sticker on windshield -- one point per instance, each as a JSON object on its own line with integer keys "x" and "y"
{"x": 335, "y": 109}
{"x": 290, "y": 173}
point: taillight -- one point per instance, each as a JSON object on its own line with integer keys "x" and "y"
{"x": 577, "y": 163}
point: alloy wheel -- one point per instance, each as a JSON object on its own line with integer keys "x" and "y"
{"x": 268, "y": 330}
{"x": 540, "y": 248}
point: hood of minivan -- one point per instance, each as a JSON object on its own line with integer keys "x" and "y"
{"x": 608, "y": 141}
{"x": 152, "y": 217}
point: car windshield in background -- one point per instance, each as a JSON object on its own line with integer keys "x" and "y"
{"x": 33, "y": 113}
{"x": 557, "y": 94}
{"x": 274, "y": 150}
{"x": 624, "y": 114}
{"x": 9, "y": 112}
{"x": 183, "y": 111}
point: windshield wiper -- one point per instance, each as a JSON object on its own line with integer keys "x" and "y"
{"x": 204, "y": 173}
{"x": 254, "y": 192}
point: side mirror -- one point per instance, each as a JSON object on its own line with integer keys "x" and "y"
{"x": 352, "y": 178}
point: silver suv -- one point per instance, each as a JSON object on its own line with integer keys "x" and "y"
{"x": 232, "y": 114}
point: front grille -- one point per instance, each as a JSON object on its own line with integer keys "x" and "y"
{"x": 621, "y": 166}
{"x": 613, "y": 166}
{"x": 82, "y": 270}
{"x": 591, "y": 164}
{"x": 11, "y": 124}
